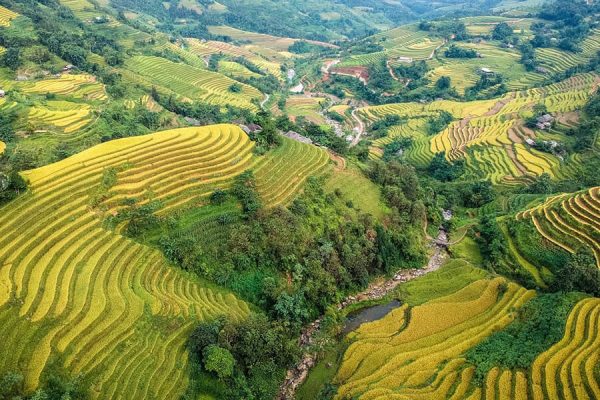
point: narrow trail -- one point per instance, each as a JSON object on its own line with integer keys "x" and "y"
{"x": 265, "y": 100}
{"x": 298, "y": 374}
{"x": 392, "y": 73}
{"x": 436, "y": 49}
{"x": 360, "y": 128}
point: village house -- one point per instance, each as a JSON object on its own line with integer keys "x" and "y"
{"x": 486, "y": 71}
{"x": 544, "y": 122}
{"x": 2, "y": 93}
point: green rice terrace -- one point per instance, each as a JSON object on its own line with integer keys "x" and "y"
{"x": 311, "y": 200}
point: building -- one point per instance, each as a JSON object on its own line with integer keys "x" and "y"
{"x": 545, "y": 122}
{"x": 486, "y": 71}
{"x": 68, "y": 68}
{"x": 2, "y": 93}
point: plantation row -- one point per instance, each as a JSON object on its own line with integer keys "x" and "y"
{"x": 489, "y": 134}
{"x": 205, "y": 49}
{"x": 111, "y": 308}
{"x": 309, "y": 107}
{"x": 6, "y": 16}
{"x": 565, "y": 371}
{"x": 569, "y": 221}
{"x": 193, "y": 83}
{"x": 423, "y": 360}
{"x": 74, "y": 85}
{"x": 69, "y": 120}
{"x": 281, "y": 173}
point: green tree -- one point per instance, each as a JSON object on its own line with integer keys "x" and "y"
{"x": 12, "y": 58}
{"x": 502, "y": 31}
{"x": 219, "y": 361}
{"x": 444, "y": 83}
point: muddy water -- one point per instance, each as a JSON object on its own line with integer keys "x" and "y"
{"x": 369, "y": 314}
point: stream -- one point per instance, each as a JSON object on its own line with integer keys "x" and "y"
{"x": 297, "y": 375}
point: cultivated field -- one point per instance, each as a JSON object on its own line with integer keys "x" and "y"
{"x": 416, "y": 353}
{"x": 81, "y": 86}
{"x": 62, "y": 115}
{"x": 91, "y": 299}
{"x": 490, "y": 134}
{"x": 569, "y": 221}
{"x": 308, "y": 107}
{"x": 281, "y": 173}
{"x": 207, "y": 48}
{"x": 6, "y": 16}
{"x": 417, "y": 350}
{"x": 566, "y": 370}
{"x": 193, "y": 83}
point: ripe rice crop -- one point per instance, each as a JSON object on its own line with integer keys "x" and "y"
{"x": 422, "y": 359}
{"x": 489, "y": 134}
{"x": 6, "y": 16}
{"x": 112, "y": 308}
{"x": 192, "y": 82}
{"x": 73, "y": 85}
{"x": 569, "y": 221}
{"x": 64, "y": 116}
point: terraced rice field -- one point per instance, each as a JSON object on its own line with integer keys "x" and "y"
{"x": 490, "y": 134}
{"x": 281, "y": 173}
{"x": 260, "y": 40}
{"x": 419, "y": 154}
{"x": 6, "y": 16}
{"x": 62, "y": 115}
{"x": 82, "y": 9}
{"x": 236, "y": 70}
{"x": 464, "y": 72}
{"x": 110, "y": 308}
{"x": 193, "y": 83}
{"x": 80, "y": 86}
{"x": 569, "y": 368}
{"x": 406, "y": 42}
{"x": 565, "y": 371}
{"x": 181, "y": 182}
{"x": 556, "y": 60}
{"x": 569, "y": 221}
{"x": 416, "y": 353}
{"x": 207, "y": 48}
{"x": 2, "y": 147}
{"x": 409, "y": 42}
{"x": 308, "y": 107}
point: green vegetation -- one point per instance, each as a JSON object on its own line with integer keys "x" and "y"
{"x": 539, "y": 325}
{"x": 452, "y": 277}
{"x": 187, "y": 185}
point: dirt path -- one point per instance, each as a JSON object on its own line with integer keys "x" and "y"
{"x": 392, "y": 73}
{"x": 297, "y": 375}
{"x": 359, "y": 128}
{"x": 340, "y": 162}
{"x": 262, "y": 103}
{"x": 436, "y": 49}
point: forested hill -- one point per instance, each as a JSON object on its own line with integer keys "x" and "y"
{"x": 320, "y": 20}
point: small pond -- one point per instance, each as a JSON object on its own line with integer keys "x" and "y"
{"x": 368, "y": 314}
